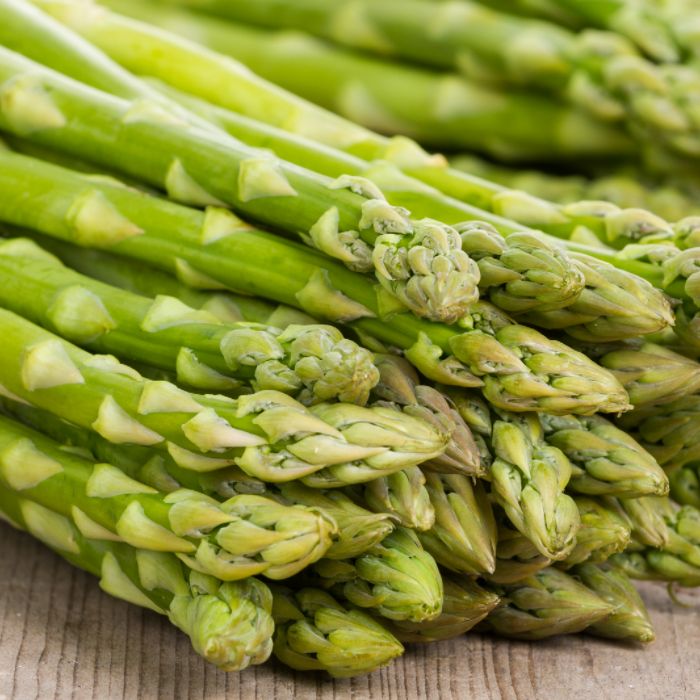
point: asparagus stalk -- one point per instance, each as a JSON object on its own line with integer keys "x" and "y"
{"x": 358, "y": 529}
{"x": 630, "y": 618}
{"x": 463, "y": 537}
{"x": 605, "y": 459}
{"x": 545, "y": 604}
{"x": 397, "y": 579}
{"x": 315, "y": 632}
{"x": 244, "y": 536}
{"x": 465, "y": 604}
{"x": 516, "y": 557}
{"x": 313, "y": 363}
{"x": 648, "y": 517}
{"x": 146, "y": 280}
{"x": 604, "y": 531}
{"x": 518, "y": 367}
{"x": 134, "y": 43}
{"x": 598, "y": 71}
{"x": 678, "y": 560}
{"x": 419, "y": 262}
{"x": 404, "y": 496}
{"x": 229, "y": 624}
{"x": 671, "y": 199}
{"x": 204, "y": 432}
{"x": 651, "y": 374}
{"x": 399, "y": 385}
{"x": 670, "y": 432}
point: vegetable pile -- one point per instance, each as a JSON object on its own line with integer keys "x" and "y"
{"x": 286, "y": 377}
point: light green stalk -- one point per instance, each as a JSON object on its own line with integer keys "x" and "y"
{"x": 135, "y": 43}
{"x": 630, "y": 618}
{"x": 313, "y": 363}
{"x": 244, "y": 536}
{"x": 678, "y": 560}
{"x": 400, "y": 385}
{"x": 518, "y": 367}
{"x": 358, "y": 529}
{"x": 397, "y": 579}
{"x": 648, "y": 517}
{"x": 465, "y": 604}
{"x": 604, "y": 531}
{"x": 267, "y": 434}
{"x": 652, "y": 374}
{"x": 229, "y": 624}
{"x": 528, "y": 478}
{"x": 315, "y": 632}
{"x": 419, "y": 262}
{"x": 463, "y": 537}
{"x": 516, "y": 557}
{"x": 670, "y": 198}
{"x": 545, "y": 604}
{"x": 402, "y": 495}
{"x": 598, "y": 71}
{"x": 605, "y": 459}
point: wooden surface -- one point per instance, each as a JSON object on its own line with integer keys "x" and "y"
{"x": 61, "y": 637}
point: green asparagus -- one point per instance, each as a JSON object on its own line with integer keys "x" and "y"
{"x": 419, "y": 262}
{"x": 206, "y": 432}
{"x": 134, "y": 44}
{"x": 463, "y": 537}
{"x": 244, "y": 536}
{"x": 518, "y": 367}
{"x": 605, "y": 459}
{"x": 229, "y": 624}
{"x": 314, "y": 363}
{"x": 545, "y": 604}
{"x": 597, "y": 71}
{"x": 630, "y": 618}
{"x": 516, "y": 557}
{"x": 314, "y": 632}
{"x": 358, "y": 529}
{"x": 397, "y": 579}
{"x": 465, "y": 604}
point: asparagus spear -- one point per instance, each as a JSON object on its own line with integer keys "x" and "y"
{"x": 630, "y": 618}
{"x": 521, "y": 368}
{"x": 134, "y": 43}
{"x": 671, "y": 199}
{"x": 678, "y": 560}
{"x": 397, "y": 579}
{"x": 229, "y": 624}
{"x": 463, "y": 537}
{"x": 545, "y": 604}
{"x": 465, "y": 604}
{"x": 516, "y": 557}
{"x": 404, "y": 496}
{"x": 604, "y": 531}
{"x": 419, "y": 262}
{"x": 651, "y": 374}
{"x": 315, "y": 632}
{"x": 314, "y": 363}
{"x": 358, "y": 529}
{"x": 147, "y": 280}
{"x": 648, "y": 517}
{"x": 244, "y": 536}
{"x": 399, "y": 385}
{"x": 605, "y": 459}
{"x": 598, "y": 71}
{"x": 204, "y": 432}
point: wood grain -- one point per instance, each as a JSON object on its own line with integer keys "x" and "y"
{"x": 61, "y": 637}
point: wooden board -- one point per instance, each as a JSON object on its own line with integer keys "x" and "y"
{"x": 61, "y": 637}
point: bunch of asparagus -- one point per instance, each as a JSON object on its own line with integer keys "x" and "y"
{"x": 305, "y": 389}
